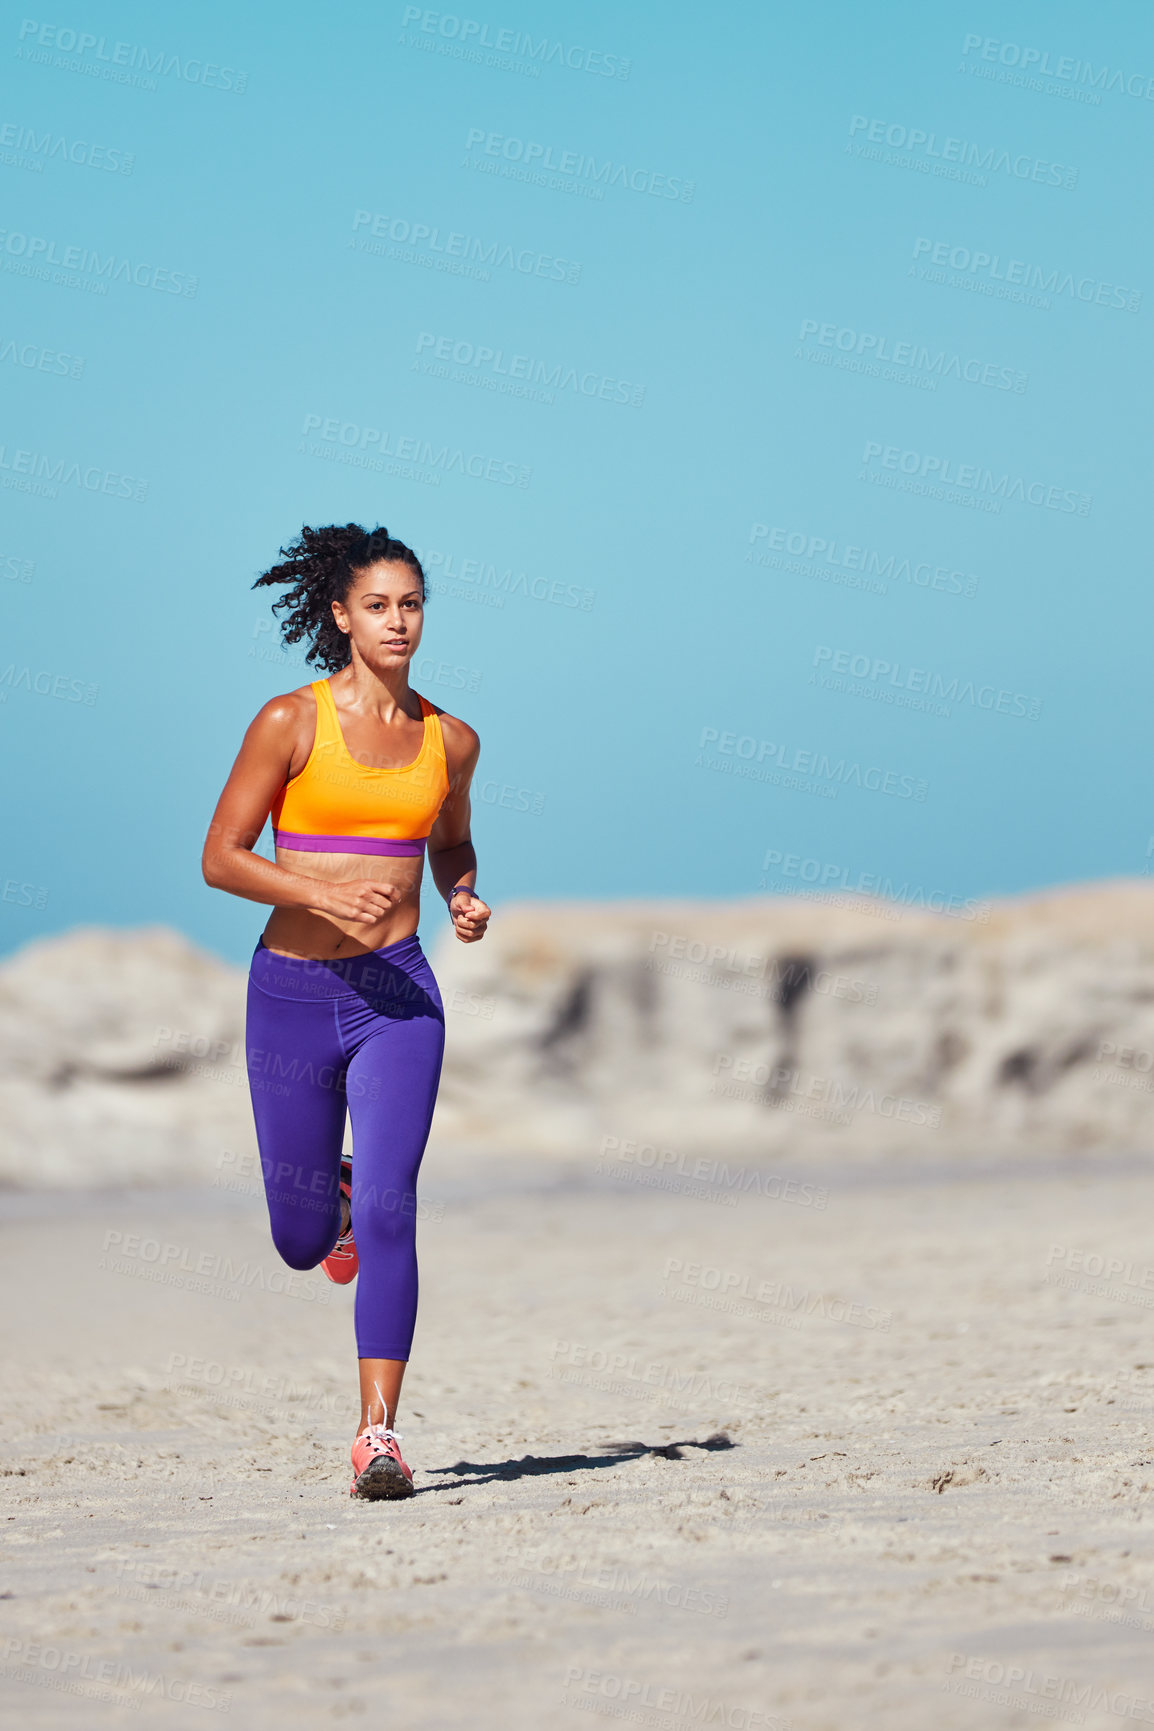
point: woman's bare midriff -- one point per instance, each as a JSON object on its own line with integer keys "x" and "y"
{"x": 320, "y": 937}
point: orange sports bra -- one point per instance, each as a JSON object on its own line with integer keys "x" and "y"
{"x": 337, "y": 805}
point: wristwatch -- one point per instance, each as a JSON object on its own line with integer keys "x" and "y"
{"x": 456, "y": 890}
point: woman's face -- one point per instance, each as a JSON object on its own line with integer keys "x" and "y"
{"x": 383, "y": 614}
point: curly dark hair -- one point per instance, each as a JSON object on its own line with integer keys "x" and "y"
{"x": 322, "y": 565}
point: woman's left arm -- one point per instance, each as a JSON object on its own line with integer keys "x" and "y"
{"x": 452, "y": 860}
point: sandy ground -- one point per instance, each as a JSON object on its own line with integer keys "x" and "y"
{"x": 885, "y": 1461}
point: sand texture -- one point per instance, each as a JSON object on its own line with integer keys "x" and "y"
{"x": 683, "y": 1458}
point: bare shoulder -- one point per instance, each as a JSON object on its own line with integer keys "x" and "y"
{"x": 459, "y": 734}
{"x": 285, "y": 725}
{"x": 287, "y": 710}
{"x": 462, "y": 744}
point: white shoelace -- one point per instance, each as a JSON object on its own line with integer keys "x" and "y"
{"x": 381, "y": 1433}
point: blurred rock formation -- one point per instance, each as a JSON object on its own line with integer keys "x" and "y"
{"x": 653, "y": 1033}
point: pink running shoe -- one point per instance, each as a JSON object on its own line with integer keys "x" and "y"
{"x": 342, "y": 1262}
{"x": 378, "y": 1465}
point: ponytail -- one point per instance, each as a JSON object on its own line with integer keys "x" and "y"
{"x": 322, "y": 566}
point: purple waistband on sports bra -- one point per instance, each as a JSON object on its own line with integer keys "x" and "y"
{"x": 288, "y": 838}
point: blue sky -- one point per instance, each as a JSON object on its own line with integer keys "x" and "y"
{"x": 763, "y": 387}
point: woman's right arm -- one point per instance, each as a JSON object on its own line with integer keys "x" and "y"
{"x": 260, "y": 771}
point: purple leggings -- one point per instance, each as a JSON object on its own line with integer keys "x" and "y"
{"x": 366, "y": 1032}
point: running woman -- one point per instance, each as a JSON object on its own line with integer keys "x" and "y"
{"x": 361, "y": 775}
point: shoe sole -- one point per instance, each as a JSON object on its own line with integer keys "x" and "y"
{"x": 382, "y": 1480}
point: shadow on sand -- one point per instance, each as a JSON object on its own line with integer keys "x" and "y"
{"x": 535, "y": 1466}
